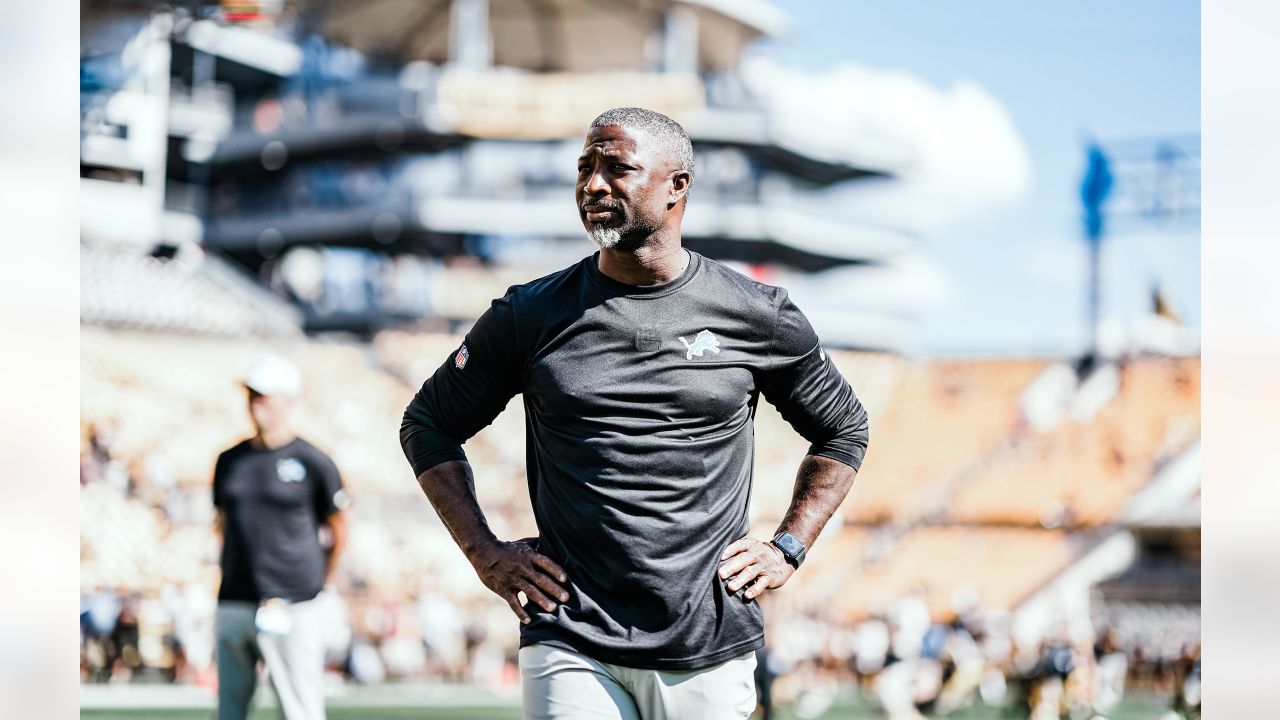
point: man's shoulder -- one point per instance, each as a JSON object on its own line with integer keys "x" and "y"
{"x": 307, "y": 451}
{"x": 788, "y": 330}
{"x": 548, "y": 286}
{"x": 235, "y": 451}
{"x": 760, "y": 295}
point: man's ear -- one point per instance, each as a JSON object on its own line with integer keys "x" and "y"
{"x": 680, "y": 181}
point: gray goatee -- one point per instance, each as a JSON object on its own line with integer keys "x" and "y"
{"x": 605, "y": 237}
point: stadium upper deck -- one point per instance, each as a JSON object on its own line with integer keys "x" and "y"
{"x": 389, "y": 153}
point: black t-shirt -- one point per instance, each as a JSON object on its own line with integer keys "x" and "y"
{"x": 639, "y": 406}
{"x": 274, "y": 502}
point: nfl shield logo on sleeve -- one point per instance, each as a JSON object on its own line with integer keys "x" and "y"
{"x": 460, "y": 360}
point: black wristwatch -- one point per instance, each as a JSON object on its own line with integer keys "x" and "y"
{"x": 792, "y": 549}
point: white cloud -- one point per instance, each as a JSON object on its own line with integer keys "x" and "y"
{"x": 954, "y": 152}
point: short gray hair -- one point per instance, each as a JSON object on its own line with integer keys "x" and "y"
{"x": 667, "y": 132}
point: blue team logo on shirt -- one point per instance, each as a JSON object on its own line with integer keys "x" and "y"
{"x": 290, "y": 470}
{"x": 703, "y": 341}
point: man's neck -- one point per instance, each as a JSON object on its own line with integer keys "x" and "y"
{"x": 653, "y": 263}
{"x": 273, "y": 440}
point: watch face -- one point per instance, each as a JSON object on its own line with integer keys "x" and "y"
{"x": 789, "y": 544}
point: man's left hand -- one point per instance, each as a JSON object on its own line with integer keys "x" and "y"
{"x": 753, "y": 564}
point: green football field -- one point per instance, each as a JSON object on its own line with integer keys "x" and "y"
{"x": 369, "y": 706}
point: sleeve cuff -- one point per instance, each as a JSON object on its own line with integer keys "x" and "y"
{"x": 851, "y": 458}
{"x": 431, "y": 459}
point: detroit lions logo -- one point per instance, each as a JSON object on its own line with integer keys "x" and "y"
{"x": 701, "y": 342}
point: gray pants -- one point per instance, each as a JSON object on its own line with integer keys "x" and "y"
{"x": 561, "y": 684}
{"x": 295, "y": 662}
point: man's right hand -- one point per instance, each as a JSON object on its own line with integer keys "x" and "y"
{"x": 510, "y": 568}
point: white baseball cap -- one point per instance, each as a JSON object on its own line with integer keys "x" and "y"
{"x": 274, "y": 375}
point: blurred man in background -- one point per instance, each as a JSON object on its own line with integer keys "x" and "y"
{"x": 274, "y": 493}
{"x": 640, "y": 367}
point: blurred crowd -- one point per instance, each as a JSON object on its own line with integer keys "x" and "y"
{"x": 909, "y": 664}
{"x": 156, "y": 625}
{"x": 876, "y": 607}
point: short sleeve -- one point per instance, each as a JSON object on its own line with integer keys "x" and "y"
{"x": 219, "y": 471}
{"x": 810, "y": 393}
{"x": 469, "y": 389}
{"x": 329, "y": 496}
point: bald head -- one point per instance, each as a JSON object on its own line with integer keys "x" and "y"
{"x": 671, "y": 139}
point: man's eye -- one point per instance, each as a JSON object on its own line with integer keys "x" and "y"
{"x": 619, "y": 167}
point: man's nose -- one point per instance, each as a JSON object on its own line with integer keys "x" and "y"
{"x": 596, "y": 184}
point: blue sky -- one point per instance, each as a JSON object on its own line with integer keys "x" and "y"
{"x": 1064, "y": 71}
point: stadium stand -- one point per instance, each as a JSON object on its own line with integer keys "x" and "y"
{"x": 193, "y": 294}
{"x": 942, "y": 513}
{"x": 1084, "y": 473}
{"x": 156, "y": 410}
{"x": 942, "y": 562}
{"x": 942, "y": 419}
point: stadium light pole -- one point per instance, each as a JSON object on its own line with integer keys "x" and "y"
{"x": 1094, "y": 190}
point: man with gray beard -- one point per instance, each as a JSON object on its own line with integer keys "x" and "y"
{"x": 640, "y": 368}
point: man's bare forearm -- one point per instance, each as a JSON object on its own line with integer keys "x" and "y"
{"x": 821, "y": 485}
{"x": 337, "y": 523}
{"x": 450, "y": 486}
{"x": 506, "y": 568}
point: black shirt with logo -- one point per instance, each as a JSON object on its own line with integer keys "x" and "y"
{"x": 274, "y": 501}
{"x": 639, "y": 406}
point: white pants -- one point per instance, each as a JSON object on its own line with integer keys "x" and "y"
{"x": 561, "y": 684}
{"x": 295, "y": 662}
